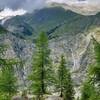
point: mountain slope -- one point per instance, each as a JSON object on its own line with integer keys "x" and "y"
{"x": 51, "y": 20}
{"x": 69, "y": 33}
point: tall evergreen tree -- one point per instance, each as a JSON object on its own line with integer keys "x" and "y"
{"x": 91, "y": 88}
{"x": 8, "y": 80}
{"x": 94, "y": 70}
{"x": 7, "y": 73}
{"x": 7, "y": 76}
{"x": 65, "y": 82}
{"x": 41, "y": 75}
{"x": 87, "y": 90}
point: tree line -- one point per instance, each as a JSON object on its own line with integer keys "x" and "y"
{"x": 45, "y": 80}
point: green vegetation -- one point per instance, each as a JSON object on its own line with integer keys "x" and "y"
{"x": 88, "y": 90}
{"x": 8, "y": 80}
{"x": 91, "y": 88}
{"x": 41, "y": 76}
{"x": 65, "y": 81}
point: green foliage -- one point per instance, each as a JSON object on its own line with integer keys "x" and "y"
{"x": 41, "y": 76}
{"x": 94, "y": 71}
{"x": 91, "y": 88}
{"x": 7, "y": 76}
{"x": 8, "y": 80}
{"x": 3, "y": 96}
{"x": 95, "y": 96}
{"x": 97, "y": 52}
{"x": 87, "y": 91}
{"x": 65, "y": 82}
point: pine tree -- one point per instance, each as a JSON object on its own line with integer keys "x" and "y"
{"x": 65, "y": 82}
{"x": 7, "y": 74}
{"x": 41, "y": 75}
{"x": 91, "y": 87}
{"x": 94, "y": 70}
{"x": 8, "y": 80}
{"x": 87, "y": 90}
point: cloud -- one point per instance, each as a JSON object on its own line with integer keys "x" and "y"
{"x": 19, "y": 7}
{"x": 14, "y": 4}
{"x": 37, "y": 4}
{"x": 30, "y": 5}
{"x": 9, "y": 12}
{"x": 89, "y": 2}
{"x": 23, "y": 4}
{"x": 85, "y": 7}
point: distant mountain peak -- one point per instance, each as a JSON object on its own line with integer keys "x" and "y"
{"x": 84, "y": 7}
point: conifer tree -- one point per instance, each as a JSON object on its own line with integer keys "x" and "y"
{"x": 65, "y": 82}
{"x": 87, "y": 90}
{"x": 94, "y": 70}
{"x": 41, "y": 75}
{"x": 8, "y": 80}
{"x": 91, "y": 88}
{"x": 7, "y": 76}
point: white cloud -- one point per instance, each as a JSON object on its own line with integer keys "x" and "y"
{"x": 89, "y": 2}
{"x": 36, "y": 4}
{"x": 86, "y": 7}
{"x": 9, "y": 12}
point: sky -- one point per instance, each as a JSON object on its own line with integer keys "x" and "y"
{"x": 34, "y": 4}
{"x": 19, "y": 7}
{"x": 25, "y": 4}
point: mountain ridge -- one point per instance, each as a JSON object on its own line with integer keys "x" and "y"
{"x": 48, "y": 18}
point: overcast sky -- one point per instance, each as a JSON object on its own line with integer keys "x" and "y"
{"x": 25, "y": 4}
{"x": 20, "y": 7}
{"x": 33, "y": 4}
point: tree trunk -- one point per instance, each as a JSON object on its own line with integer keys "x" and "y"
{"x": 42, "y": 76}
{"x": 61, "y": 93}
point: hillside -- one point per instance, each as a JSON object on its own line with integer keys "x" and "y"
{"x": 68, "y": 32}
{"x": 51, "y": 20}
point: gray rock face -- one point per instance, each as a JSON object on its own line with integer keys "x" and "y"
{"x": 22, "y": 50}
{"x": 75, "y": 49}
{"x": 53, "y": 98}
